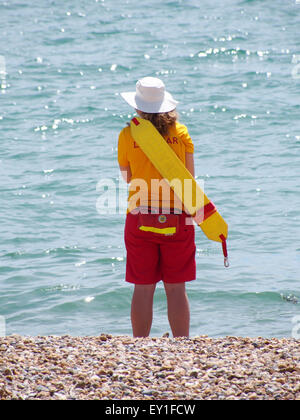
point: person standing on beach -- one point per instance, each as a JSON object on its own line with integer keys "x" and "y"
{"x": 153, "y": 255}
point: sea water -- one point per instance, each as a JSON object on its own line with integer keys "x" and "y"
{"x": 234, "y": 66}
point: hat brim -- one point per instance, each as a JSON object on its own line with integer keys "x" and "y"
{"x": 167, "y": 105}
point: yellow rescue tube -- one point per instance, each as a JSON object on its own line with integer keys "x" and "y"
{"x": 188, "y": 191}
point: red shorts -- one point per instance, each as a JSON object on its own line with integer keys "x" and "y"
{"x": 152, "y": 257}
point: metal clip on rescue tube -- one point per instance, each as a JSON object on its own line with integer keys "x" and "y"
{"x": 172, "y": 168}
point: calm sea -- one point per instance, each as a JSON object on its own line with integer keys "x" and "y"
{"x": 234, "y": 65}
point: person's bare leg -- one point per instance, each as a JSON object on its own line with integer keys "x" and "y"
{"x": 142, "y": 309}
{"x": 178, "y": 309}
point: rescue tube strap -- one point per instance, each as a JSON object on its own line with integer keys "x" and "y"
{"x": 225, "y": 253}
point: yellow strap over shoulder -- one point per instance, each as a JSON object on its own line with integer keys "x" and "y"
{"x": 180, "y": 180}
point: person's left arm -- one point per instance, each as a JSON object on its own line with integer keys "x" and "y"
{"x": 126, "y": 173}
{"x": 123, "y": 158}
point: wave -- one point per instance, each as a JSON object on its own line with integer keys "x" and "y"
{"x": 266, "y": 296}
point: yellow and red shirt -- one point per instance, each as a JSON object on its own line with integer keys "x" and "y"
{"x": 130, "y": 154}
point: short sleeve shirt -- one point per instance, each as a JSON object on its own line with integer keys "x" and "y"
{"x": 130, "y": 154}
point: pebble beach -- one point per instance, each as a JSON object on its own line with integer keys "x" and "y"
{"x": 110, "y": 367}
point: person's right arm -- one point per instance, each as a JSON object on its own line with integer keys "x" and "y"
{"x": 189, "y": 162}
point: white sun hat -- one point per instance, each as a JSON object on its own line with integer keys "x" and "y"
{"x": 150, "y": 96}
